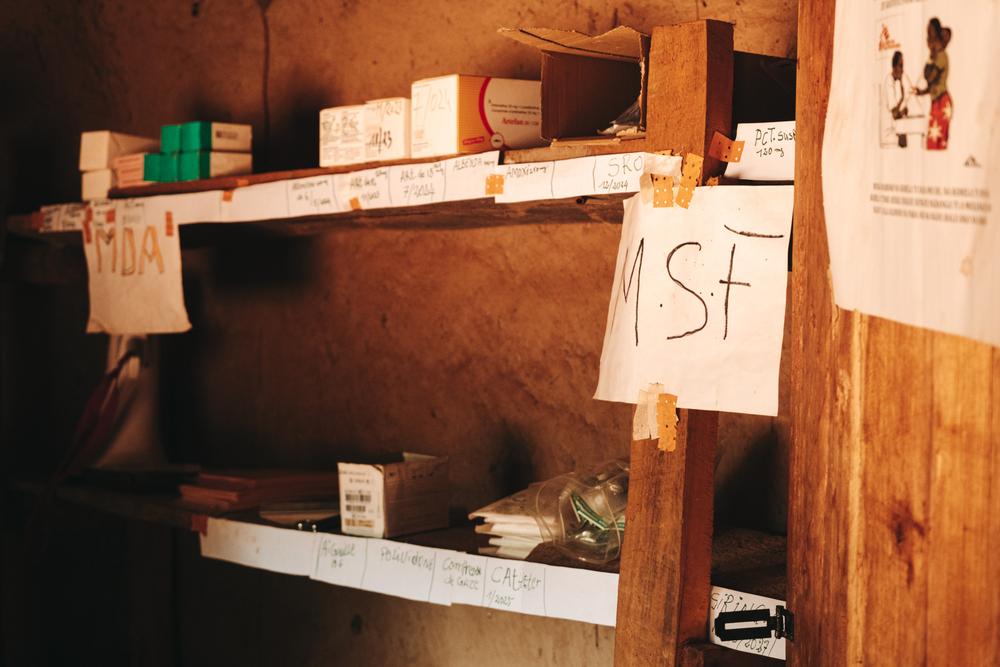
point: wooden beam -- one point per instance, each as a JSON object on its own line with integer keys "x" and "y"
{"x": 894, "y": 536}
{"x": 690, "y": 88}
{"x": 663, "y": 590}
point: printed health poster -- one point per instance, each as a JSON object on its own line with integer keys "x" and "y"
{"x": 910, "y": 173}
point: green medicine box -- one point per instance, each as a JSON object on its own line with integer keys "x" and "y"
{"x": 160, "y": 168}
{"x": 170, "y": 138}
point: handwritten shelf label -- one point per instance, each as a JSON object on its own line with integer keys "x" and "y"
{"x": 768, "y": 152}
{"x": 526, "y": 182}
{"x": 369, "y": 187}
{"x": 340, "y": 560}
{"x": 459, "y": 579}
{"x": 262, "y": 547}
{"x": 416, "y": 184}
{"x": 515, "y": 586}
{"x": 396, "y": 568}
{"x": 311, "y": 196}
{"x": 725, "y": 599}
{"x": 466, "y": 175}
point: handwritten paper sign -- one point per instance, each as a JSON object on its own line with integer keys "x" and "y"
{"x": 403, "y": 570}
{"x": 134, "y": 269}
{"x": 466, "y": 175}
{"x": 768, "y": 152}
{"x": 725, "y": 599}
{"x": 340, "y": 560}
{"x": 311, "y": 196}
{"x": 698, "y": 300}
{"x": 368, "y": 188}
{"x": 576, "y": 177}
{"x": 416, "y": 184}
{"x": 515, "y": 586}
{"x": 262, "y": 547}
{"x": 459, "y": 578}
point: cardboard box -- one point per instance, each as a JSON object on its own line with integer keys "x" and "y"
{"x": 342, "y": 135}
{"x": 201, "y": 135}
{"x": 209, "y": 164}
{"x": 130, "y": 170}
{"x": 469, "y": 114}
{"x": 387, "y": 129}
{"x": 98, "y": 149}
{"x": 588, "y": 81}
{"x": 397, "y": 498}
{"x": 95, "y": 184}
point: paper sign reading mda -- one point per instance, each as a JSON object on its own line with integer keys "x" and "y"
{"x": 698, "y": 301}
{"x": 134, "y": 270}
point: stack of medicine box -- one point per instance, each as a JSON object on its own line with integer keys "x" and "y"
{"x": 200, "y": 149}
{"x": 100, "y": 154}
{"x": 375, "y": 131}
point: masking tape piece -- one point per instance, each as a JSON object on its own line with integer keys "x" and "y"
{"x": 666, "y": 421}
{"x": 355, "y": 204}
{"x": 712, "y": 182}
{"x": 168, "y": 223}
{"x": 494, "y": 184}
{"x": 227, "y": 195}
{"x": 684, "y": 196}
{"x": 109, "y": 215}
{"x": 242, "y": 182}
{"x": 37, "y": 220}
{"x": 725, "y": 149}
{"x": 663, "y": 191}
{"x": 644, "y": 424}
{"x": 690, "y": 173}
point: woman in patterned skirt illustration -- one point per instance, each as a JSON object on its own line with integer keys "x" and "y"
{"x": 936, "y": 77}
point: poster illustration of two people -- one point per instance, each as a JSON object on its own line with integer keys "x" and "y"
{"x": 903, "y": 103}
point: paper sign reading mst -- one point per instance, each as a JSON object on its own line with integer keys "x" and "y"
{"x": 698, "y": 301}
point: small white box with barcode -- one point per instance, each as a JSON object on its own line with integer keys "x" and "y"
{"x": 409, "y": 495}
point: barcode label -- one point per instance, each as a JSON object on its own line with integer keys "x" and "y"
{"x": 358, "y": 498}
{"x": 361, "y": 499}
{"x": 359, "y": 523}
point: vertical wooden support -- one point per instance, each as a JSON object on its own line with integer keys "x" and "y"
{"x": 690, "y": 88}
{"x": 894, "y": 508}
{"x": 663, "y": 590}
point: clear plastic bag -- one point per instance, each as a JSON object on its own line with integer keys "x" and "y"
{"x": 583, "y": 515}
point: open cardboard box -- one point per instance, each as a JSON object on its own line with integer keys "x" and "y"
{"x": 587, "y": 81}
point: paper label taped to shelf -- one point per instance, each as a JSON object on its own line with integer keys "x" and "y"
{"x": 133, "y": 270}
{"x": 262, "y": 547}
{"x": 698, "y": 300}
{"x": 515, "y": 586}
{"x": 311, "y": 196}
{"x": 459, "y": 578}
{"x": 340, "y": 559}
{"x": 577, "y": 177}
{"x": 768, "y": 152}
{"x": 400, "y": 569}
{"x": 725, "y": 599}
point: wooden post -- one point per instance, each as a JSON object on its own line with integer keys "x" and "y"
{"x": 663, "y": 590}
{"x": 690, "y": 88}
{"x": 894, "y": 508}
{"x": 666, "y": 560}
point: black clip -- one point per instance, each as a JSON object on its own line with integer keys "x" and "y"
{"x": 781, "y": 624}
